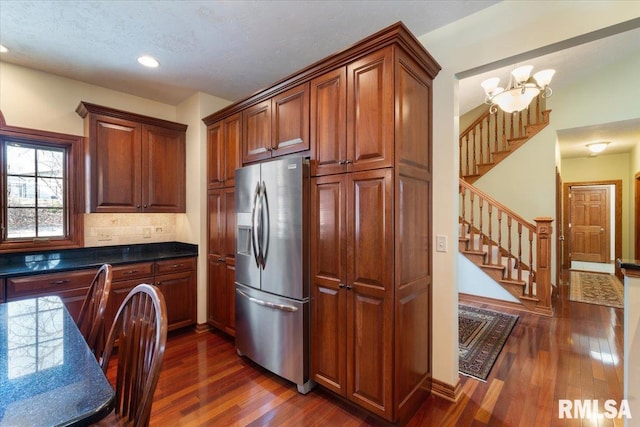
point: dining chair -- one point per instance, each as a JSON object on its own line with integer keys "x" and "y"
{"x": 140, "y": 326}
{"x": 91, "y": 318}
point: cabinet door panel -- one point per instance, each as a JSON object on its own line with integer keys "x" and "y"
{"x": 413, "y": 118}
{"x": 291, "y": 121}
{"x": 230, "y": 298}
{"x": 370, "y": 111}
{"x": 328, "y": 280}
{"x": 369, "y": 300}
{"x": 115, "y": 166}
{"x": 370, "y": 233}
{"x": 232, "y": 148}
{"x": 216, "y": 301}
{"x": 369, "y": 361}
{"x": 179, "y": 294}
{"x": 329, "y": 123}
{"x": 215, "y": 155}
{"x": 256, "y": 132}
{"x": 229, "y": 230}
{"x": 215, "y": 222}
{"x": 163, "y": 170}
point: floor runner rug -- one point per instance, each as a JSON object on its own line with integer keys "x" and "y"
{"x": 596, "y": 288}
{"x": 481, "y": 336}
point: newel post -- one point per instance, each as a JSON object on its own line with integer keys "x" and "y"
{"x": 543, "y": 263}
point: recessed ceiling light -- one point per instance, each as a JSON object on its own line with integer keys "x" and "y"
{"x": 597, "y": 147}
{"x": 3, "y": 49}
{"x": 148, "y": 61}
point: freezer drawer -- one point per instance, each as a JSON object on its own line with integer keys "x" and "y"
{"x": 274, "y": 332}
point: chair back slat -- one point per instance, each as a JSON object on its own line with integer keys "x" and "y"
{"x": 141, "y": 330}
{"x": 91, "y": 317}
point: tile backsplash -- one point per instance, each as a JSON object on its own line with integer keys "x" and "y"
{"x": 124, "y": 229}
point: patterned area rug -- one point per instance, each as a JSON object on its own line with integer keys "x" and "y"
{"x": 481, "y": 336}
{"x": 596, "y": 288}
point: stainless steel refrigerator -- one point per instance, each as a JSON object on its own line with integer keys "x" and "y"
{"x": 272, "y": 267}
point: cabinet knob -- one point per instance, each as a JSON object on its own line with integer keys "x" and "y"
{"x": 220, "y": 259}
{"x": 341, "y": 162}
{"x": 349, "y": 287}
{"x": 145, "y": 206}
{"x": 341, "y": 285}
{"x": 137, "y": 206}
{"x": 346, "y": 162}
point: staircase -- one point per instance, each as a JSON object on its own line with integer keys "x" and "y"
{"x": 492, "y": 137}
{"x": 511, "y": 250}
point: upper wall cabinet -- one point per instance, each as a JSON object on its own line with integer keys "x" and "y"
{"x": 224, "y": 145}
{"x": 277, "y": 126}
{"x": 135, "y": 163}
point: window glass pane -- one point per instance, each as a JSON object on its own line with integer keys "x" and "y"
{"x": 50, "y": 192}
{"x": 20, "y": 160}
{"x": 21, "y": 222}
{"x": 50, "y": 163}
{"x": 22, "y": 191}
{"x": 50, "y": 222}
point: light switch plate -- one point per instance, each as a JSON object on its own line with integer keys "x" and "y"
{"x": 441, "y": 243}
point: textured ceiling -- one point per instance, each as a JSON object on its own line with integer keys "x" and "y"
{"x": 232, "y": 49}
{"x": 229, "y": 49}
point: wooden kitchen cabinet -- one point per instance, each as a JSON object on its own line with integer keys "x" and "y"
{"x": 221, "y": 259}
{"x": 277, "y": 126}
{"x": 352, "y": 116}
{"x": 176, "y": 279}
{"x": 352, "y": 286}
{"x": 224, "y": 150}
{"x": 70, "y": 286}
{"x": 370, "y": 149}
{"x": 135, "y": 163}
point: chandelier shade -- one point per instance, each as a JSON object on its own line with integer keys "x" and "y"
{"x": 520, "y": 91}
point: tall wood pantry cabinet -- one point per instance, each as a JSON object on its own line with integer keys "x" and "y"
{"x": 370, "y": 145}
{"x": 224, "y": 139}
{"x": 135, "y": 163}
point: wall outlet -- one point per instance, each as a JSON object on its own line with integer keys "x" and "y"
{"x": 146, "y": 232}
{"x": 441, "y": 243}
{"x": 104, "y": 235}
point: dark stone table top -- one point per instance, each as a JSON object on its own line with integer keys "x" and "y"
{"x": 48, "y": 375}
{"x": 28, "y": 263}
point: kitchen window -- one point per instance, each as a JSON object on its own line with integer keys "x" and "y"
{"x": 41, "y": 187}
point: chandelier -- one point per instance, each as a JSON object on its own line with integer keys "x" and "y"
{"x": 520, "y": 91}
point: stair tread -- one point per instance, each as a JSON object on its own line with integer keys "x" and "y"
{"x": 514, "y": 282}
{"x": 495, "y": 266}
{"x": 528, "y": 298}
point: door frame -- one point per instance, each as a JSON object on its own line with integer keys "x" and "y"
{"x": 637, "y": 216}
{"x": 566, "y": 263}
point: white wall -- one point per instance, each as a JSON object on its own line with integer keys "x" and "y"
{"x": 473, "y": 281}
{"x": 498, "y": 32}
{"x": 192, "y": 227}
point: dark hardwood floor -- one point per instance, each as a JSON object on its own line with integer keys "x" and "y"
{"x": 577, "y": 354}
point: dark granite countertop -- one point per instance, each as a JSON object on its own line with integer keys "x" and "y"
{"x": 27, "y": 263}
{"x": 631, "y": 264}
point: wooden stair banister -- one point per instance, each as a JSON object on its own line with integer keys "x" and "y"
{"x": 492, "y": 137}
{"x": 515, "y": 252}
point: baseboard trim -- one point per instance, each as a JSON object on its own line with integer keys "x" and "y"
{"x": 497, "y": 303}
{"x": 202, "y": 327}
{"x": 446, "y": 391}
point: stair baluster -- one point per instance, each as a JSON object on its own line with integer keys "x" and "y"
{"x": 531, "y": 281}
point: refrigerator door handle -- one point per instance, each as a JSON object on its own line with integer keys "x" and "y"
{"x": 255, "y": 227}
{"x": 280, "y": 307}
{"x": 266, "y": 224}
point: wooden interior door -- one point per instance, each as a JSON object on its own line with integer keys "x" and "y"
{"x": 589, "y": 224}
{"x": 637, "y": 212}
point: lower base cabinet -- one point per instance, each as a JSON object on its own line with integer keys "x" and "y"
{"x": 176, "y": 279}
{"x": 221, "y": 294}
